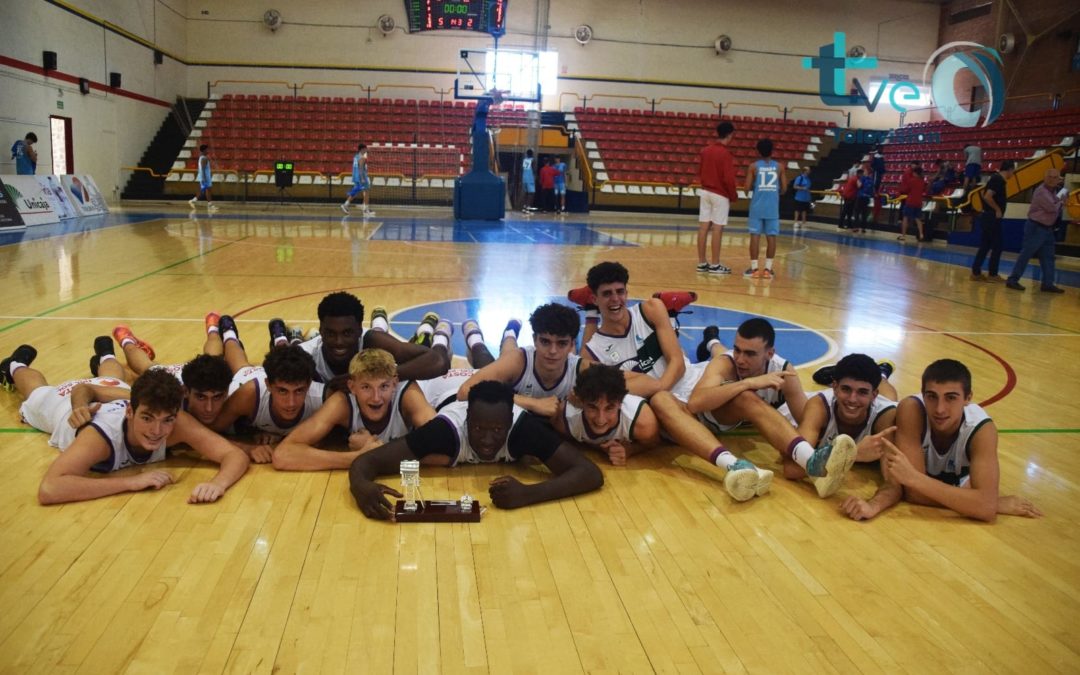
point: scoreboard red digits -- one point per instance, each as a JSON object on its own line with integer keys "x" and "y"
{"x": 485, "y": 16}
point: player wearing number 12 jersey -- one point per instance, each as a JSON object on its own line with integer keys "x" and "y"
{"x": 764, "y": 177}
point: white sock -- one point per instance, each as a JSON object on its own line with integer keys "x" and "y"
{"x": 380, "y": 324}
{"x": 477, "y": 338}
{"x": 212, "y": 329}
{"x": 127, "y": 341}
{"x": 229, "y": 335}
{"x": 710, "y": 344}
{"x": 281, "y": 340}
{"x": 441, "y": 340}
{"x": 509, "y": 334}
{"x": 424, "y": 329}
{"x": 106, "y": 357}
{"x": 768, "y": 264}
{"x": 15, "y": 365}
{"x": 753, "y": 264}
{"x": 723, "y": 458}
{"x": 802, "y": 452}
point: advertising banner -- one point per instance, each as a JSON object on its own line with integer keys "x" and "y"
{"x": 9, "y": 213}
{"x": 57, "y": 197}
{"x": 29, "y": 197}
{"x": 85, "y": 195}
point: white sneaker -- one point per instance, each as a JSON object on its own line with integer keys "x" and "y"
{"x": 344, "y": 209}
{"x": 211, "y": 207}
{"x": 192, "y": 201}
{"x": 367, "y": 214}
{"x": 837, "y": 466}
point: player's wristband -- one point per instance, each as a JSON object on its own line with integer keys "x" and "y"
{"x": 592, "y": 316}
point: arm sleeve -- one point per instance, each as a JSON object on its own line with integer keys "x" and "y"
{"x": 531, "y": 436}
{"x": 437, "y": 437}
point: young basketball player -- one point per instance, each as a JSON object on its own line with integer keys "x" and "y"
{"x": 206, "y": 182}
{"x": 764, "y": 177}
{"x": 488, "y": 428}
{"x": 945, "y": 454}
{"x": 716, "y": 175}
{"x": 360, "y": 180}
{"x": 377, "y": 407}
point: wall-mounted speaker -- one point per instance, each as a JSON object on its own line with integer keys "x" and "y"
{"x": 48, "y": 60}
{"x": 159, "y": 58}
{"x": 114, "y": 80}
{"x": 84, "y": 85}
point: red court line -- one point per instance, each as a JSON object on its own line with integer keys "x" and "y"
{"x": 332, "y": 290}
{"x": 1010, "y": 374}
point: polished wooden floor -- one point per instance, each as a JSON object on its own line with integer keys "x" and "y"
{"x": 658, "y": 572}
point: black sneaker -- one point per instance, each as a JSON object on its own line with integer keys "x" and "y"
{"x": 887, "y": 368}
{"x": 103, "y": 345}
{"x": 227, "y": 323}
{"x": 710, "y": 333}
{"x": 24, "y": 354}
{"x": 277, "y": 330}
{"x": 824, "y": 375}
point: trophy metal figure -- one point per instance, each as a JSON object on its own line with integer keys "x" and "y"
{"x": 413, "y": 508}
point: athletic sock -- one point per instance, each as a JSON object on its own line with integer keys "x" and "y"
{"x": 380, "y": 324}
{"x": 105, "y": 357}
{"x": 281, "y": 341}
{"x": 229, "y": 335}
{"x": 129, "y": 340}
{"x": 754, "y": 264}
{"x": 425, "y": 329}
{"x": 474, "y": 339}
{"x": 768, "y": 264}
{"x": 722, "y": 457}
{"x": 441, "y": 340}
{"x": 15, "y": 365}
{"x": 800, "y": 451}
{"x": 709, "y": 345}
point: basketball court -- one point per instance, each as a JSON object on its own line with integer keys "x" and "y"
{"x": 659, "y": 571}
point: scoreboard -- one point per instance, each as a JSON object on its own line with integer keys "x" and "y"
{"x": 484, "y": 16}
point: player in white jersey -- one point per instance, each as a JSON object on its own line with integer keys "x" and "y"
{"x": 945, "y": 454}
{"x": 641, "y": 339}
{"x": 376, "y": 407}
{"x": 341, "y": 336}
{"x": 541, "y": 374}
{"x": 748, "y": 384}
{"x": 604, "y": 415}
{"x": 851, "y": 409}
{"x": 273, "y": 398}
{"x": 106, "y": 437}
{"x": 488, "y": 428}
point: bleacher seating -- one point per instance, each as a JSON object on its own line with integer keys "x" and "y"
{"x": 249, "y": 132}
{"x": 662, "y": 147}
{"x": 1015, "y": 136}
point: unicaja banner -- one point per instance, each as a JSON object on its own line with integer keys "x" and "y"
{"x": 9, "y": 213}
{"x": 85, "y": 195}
{"x": 29, "y": 197}
{"x": 57, "y": 197}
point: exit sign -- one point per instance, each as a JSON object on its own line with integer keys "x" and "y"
{"x": 59, "y": 105}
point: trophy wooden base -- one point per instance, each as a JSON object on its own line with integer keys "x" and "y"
{"x": 437, "y": 512}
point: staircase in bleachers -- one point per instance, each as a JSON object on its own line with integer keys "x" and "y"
{"x": 640, "y": 146}
{"x": 408, "y": 139}
{"x": 1016, "y": 136}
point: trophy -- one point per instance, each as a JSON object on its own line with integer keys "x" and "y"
{"x": 414, "y": 509}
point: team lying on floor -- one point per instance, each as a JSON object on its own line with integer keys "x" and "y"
{"x": 630, "y": 388}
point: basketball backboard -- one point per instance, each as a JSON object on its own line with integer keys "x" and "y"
{"x": 516, "y": 73}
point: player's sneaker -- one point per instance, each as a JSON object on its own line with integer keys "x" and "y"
{"x": 225, "y": 324}
{"x": 675, "y": 301}
{"x": 24, "y": 354}
{"x": 424, "y": 339}
{"x": 468, "y": 327}
{"x": 702, "y": 267}
{"x": 830, "y": 464}
{"x": 513, "y": 325}
{"x": 122, "y": 332}
{"x": 751, "y": 273}
{"x": 367, "y": 214}
{"x": 710, "y": 333}
{"x": 887, "y": 367}
{"x": 767, "y": 274}
{"x": 345, "y": 209}
{"x": 191, "y": 202}
{"x": 379, "y": 312}
{"x": 742, "y": 480}
{"x": 824, "y": 375}
{"x": 211, "y": 320}
{"x": 277, "y": 330}
{"x": 719, "y": 268}
{"x": 582, "y": 297}
{"x": 103, "y": 345}
{"x": 295, "y": 335}
{"x": 445, "y": 328}
{"x": 764, "y": 482}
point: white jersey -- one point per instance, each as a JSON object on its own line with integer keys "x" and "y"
{"x": 456, "y": 413}
{"x": 396, "y": 427}
{"x": 48, "y": 408}
{"x": 323, "y": 372}
{"x": 529, "y": 384}
{"x": 952, "y": 464}
{"x": 261, "y": 418}
{"x": 577, "y": 426}
{"x": 831, "y": 430}
{"x": 442, "y": 391}
{"x": 773, "y": 397}
{"x": 638, "y": 350}
{"x": 110, "y": 422}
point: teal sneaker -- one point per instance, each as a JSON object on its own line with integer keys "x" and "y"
{"x": 744, "y": 481}
{"x": 830, "y": 464}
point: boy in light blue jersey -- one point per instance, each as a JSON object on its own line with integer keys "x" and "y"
{"x": 764, "y": 178}
{"x": 25, "y": 155}
{"x": 205, "y": 182}
{"x": 360, "y": 181}
{"x": 528, "y": 182}
{"x": 560, "y": 185}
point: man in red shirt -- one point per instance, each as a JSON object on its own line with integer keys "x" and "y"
{"x": 716, "y": 174}
{"x": 547, "y": 185}
{"x": 914, "y": 186}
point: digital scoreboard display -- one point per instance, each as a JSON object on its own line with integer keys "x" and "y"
{"x": 484, "y": 16}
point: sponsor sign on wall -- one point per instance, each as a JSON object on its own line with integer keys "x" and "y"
{"x": 9, "y": 213}
{"x": 85, "y": 195}
{"x": 57, "y": 197}
{"x": 29, "y": 198}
